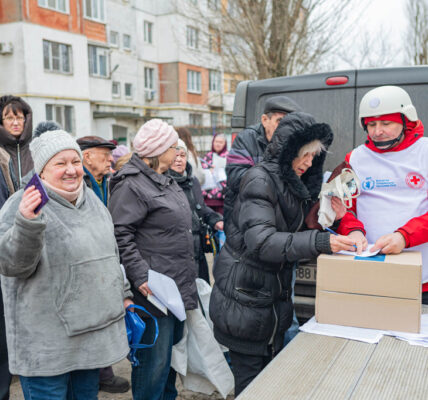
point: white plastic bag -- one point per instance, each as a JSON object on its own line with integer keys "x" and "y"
{"x": 198, "y": 357}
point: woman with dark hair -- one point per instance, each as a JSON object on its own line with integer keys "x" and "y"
{"x": 251, "y": 305}
{"x": 215, "y": 160}
{"x": 193, "y": 159}
{"x": 15, "y": 161}
{"x": 16, "y": 126}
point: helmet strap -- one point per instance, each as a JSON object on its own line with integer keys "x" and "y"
{"x": 390, "y": 143}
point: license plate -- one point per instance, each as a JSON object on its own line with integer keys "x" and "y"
{"x": 306, "y": 273}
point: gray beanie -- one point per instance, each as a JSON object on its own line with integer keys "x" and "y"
{"x": 182, "y": 145}
{"x": 44, "y": 147}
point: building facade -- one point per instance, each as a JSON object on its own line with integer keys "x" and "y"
{"x": 104, "y": 67}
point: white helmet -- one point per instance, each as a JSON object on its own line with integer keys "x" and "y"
{"x": 387, "y": 100}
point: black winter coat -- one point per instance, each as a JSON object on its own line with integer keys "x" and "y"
{"x": 247, "y": 150}
{"x": 200, "y": 211}
{"x": 251, "y": 304}
{"x": 153, "y": 229}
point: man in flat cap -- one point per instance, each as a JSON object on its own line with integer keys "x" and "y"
{"x": 97, "y": 160}
{"x": 250, "y": 144}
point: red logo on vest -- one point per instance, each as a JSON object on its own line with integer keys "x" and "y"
{"x": 415, "y": 180}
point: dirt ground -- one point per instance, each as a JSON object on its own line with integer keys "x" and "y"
{"x": 123, "y": 369}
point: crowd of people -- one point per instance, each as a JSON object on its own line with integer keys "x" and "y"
{"x": 82, "y": 222}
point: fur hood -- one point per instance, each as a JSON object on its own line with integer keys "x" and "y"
{"x": 294, "y": 131}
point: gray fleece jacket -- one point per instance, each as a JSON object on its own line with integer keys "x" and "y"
{"x": 63, "y": 287}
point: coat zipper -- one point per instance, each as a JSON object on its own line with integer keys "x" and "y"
{"x": 18, "y": 154}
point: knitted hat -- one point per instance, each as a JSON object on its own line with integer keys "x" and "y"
{"x": 394, "y": 117}
{"x": 154, "y": 138}
{"x": 44, "y": 147}
{"x": 120, "y": 151}
{"x": 182, "y": 145}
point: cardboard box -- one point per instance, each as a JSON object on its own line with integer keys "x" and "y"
{"x": 365, "y": 293}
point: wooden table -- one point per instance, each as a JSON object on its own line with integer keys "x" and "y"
{"x": 314, "y": 367}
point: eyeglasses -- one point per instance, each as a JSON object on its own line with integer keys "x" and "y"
{"x": 176, "y": 148}
{"x": 11, "y": 120}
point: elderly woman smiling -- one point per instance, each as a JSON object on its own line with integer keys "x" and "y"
{"x": 63, "y": 286}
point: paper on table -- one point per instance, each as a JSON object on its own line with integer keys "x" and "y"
{"x": 365, "y": 253}
{"x": 166, "y": 291}
{"x": 367, "y": 335}
{"x": 347, "y": 332}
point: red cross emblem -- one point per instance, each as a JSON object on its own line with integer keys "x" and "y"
{"x": 415, "y": 180}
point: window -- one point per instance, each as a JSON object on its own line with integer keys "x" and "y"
{"x": 148, "y": 32}
{"x": 195, "y": 119}
{"x": 214, "y": 84}
{"x": 115, "y": 89}
{"x": 149, "y": 74}
{"x": 214, "y": 41}
{"x": 98, "y": 61}
{"x": 227, "y": 120}
{"x": 63, "y": 115}
{"x": 214, "y": 4}
{"x": 114, "y": 38}
{"x": 126, "y": 41}
{"x": 57, "y": 57}
{"x": 94, "y": 9}
{"x": 215, "y": 119}
{"x": 193, "y": 81}
{"x": 120, "y": 133}
{"x": 192, "y": 37}
{"x": 57, "y": 5}
{"x": 128, "y": 89}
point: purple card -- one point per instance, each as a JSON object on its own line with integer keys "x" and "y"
{"x": 35, "y": 181}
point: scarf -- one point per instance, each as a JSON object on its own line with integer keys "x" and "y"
{"x": 70, "y": 196}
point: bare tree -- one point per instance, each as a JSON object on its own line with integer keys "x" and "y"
{"x": 368, "y": 50}
{"x": 268, "y": 38}
{"x": 417, "y": 36}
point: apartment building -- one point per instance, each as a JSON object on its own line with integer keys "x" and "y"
{"x": 105, "y": 66}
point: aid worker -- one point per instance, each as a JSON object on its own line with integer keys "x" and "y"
{"x": 392, "y": 210}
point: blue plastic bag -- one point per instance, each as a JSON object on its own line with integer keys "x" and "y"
{"x": 135, "y": 328}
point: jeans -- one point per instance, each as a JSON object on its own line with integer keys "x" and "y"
{"x": 154, "y": 379}
{"x": 5, "y": 376}
{"x": 74, "y": 385}
{"x": 293, "y": 330}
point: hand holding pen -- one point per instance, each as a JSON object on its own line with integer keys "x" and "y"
{"x": 340, "y": 242}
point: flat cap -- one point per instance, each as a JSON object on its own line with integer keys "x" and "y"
{"x": 282, "y": 104}
{"x": 88, "y": 142}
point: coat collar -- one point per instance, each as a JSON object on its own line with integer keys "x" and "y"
{"x": 160, "y": 179}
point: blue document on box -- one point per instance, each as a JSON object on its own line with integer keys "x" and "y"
{"x": 166, "y": 292}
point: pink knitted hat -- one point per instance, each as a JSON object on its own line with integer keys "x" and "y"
{"x": 154, "y": 138}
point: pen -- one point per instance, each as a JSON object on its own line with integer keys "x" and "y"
{"x": 334, "y": 233}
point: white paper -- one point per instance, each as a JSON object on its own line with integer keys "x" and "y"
{"x": 367, "y": 335}
{"x": 365, "y": 253}
{"x": 219, "y": 174}
{"x": 219, "y": 162}
{"x": 166, "y": 291}
{"x": 346, "y": 332}
{"x": 157, "y": 303}
{"x": 210, "y": 182}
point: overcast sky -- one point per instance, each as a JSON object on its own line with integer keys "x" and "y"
{"x": 387, "y": 18}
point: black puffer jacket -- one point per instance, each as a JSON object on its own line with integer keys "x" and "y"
{"x": 153, "y": 229}
{"x": 200, "y": 211}
{"x": 247, "y": 150}
{"x": 250, "y": 303}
